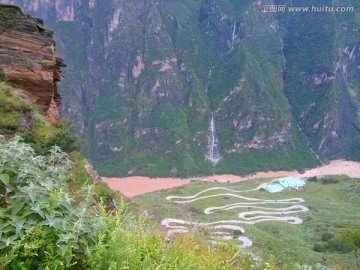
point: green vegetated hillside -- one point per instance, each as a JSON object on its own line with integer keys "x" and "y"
{"x": 332, "y": 204}
{"x": 53, "y": 217}
{"x": 145, "y": 77}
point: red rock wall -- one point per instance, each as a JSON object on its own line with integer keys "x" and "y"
{"x": 28, "y": 58}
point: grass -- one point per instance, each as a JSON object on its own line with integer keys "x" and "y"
{"x": 333, "y": 207}
{"x": 47, "y": 222}
{"x": 12, "y": 109}
{"x": 18, "y": 116}
{"x": 139, "y": 249}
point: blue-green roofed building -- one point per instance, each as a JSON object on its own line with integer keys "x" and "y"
{"x": 281, "y": 184}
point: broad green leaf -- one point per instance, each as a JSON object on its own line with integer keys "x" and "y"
{"x": 3, "y": 225}
{"x": 27, "y": 212}
{"x": 5, "y": 228}
{"x": 66, "y": 238}
{"x": 64, "y": 248}
{"x": 5, "y": 179}
{"x": 4, "y": 212}
{"x": 10, "y": 240}
{"x": 2, "y": 245}
{"x": 17, "y": 206}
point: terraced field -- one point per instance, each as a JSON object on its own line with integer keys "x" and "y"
{"x": 290, "y": 226}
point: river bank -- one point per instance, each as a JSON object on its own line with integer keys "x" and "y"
{"x": 136, "y": 185}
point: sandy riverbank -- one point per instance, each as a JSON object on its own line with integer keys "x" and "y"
{"x": 136, "y": 185}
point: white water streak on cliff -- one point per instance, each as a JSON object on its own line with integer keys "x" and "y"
{"x": 209, "y": 76}
{"x": 213, "y": 149}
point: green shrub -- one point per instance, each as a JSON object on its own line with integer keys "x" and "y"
{"x": 36, "y": 250}
{"x": 65, "y": 138}
{"x": 335, "y": 245}
{"x": 78, "y": 170}
{"x": 326, "y": 236}
{"x": 329, "y": 180}
{"x": 319, "y": 247}
{"x": 103, "y": 192}
{"x": 37, "y": 143}
{"x": 312, "y": 179}
{"x": 350, "y": 238}
{"x": 330, "y": 243}
{"x": 38, "y": 215}
{"x": 44, "y": 136}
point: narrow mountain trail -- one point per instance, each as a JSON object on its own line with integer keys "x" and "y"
{"x": 222, "y": 230}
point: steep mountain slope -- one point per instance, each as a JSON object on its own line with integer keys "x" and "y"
{"x": 322, "y": 76}
{"x": 169, "y": 87}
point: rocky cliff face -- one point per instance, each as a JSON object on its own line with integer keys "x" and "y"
{"x": 59, "y": 10}
{"x": 156, "y": 84}
{"x": 322, "y": 76}
{"x": 28, "y": 58}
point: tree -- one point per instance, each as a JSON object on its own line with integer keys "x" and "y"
{"x": 351, "y": 238}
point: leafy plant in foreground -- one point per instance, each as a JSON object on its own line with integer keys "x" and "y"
{"x": 35, "y": 204}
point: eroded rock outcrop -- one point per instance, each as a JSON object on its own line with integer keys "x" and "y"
{"x": 28, "y": 58}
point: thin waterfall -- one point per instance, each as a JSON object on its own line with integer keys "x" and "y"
{"x": 208, "y": 80}
{"x": 233, "y": 34}
{"x": 233, "y": 37}
{"x": 213, "y": 149}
